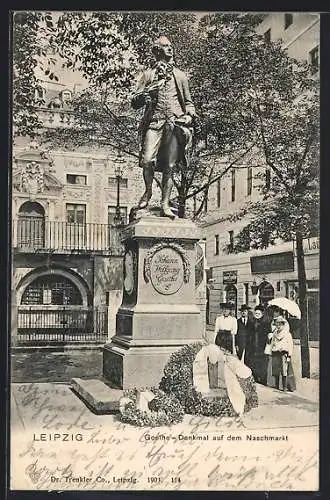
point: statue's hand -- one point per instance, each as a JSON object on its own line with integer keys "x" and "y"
{"x": 150, "y": 95}
{"x": 184, "y": 120}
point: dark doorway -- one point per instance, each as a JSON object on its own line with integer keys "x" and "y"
{"x": 266, "y": 293}
{"x": 231, "y": 296}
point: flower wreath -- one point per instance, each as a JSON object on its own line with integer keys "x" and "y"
{"x": 164, "y": 409}
{"x": 178, "y": 381}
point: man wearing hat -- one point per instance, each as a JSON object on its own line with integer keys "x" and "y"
{"x": 226, "y": 328}
{"x": 244, "y": 330}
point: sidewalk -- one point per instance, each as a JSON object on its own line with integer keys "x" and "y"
{"x": 55, "y": 436}
{"x": 276, "y": 409}
{"x": 61, "y": 367}
{"x": 306, "y": 387}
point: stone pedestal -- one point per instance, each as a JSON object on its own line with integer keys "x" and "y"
{"x": 115, "y": 299}
{"x": 158, "y": 314}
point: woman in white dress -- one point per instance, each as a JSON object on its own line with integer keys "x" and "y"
{"x": 225, "y": 328}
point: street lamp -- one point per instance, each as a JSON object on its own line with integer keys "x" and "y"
{"x": 119, "y": 175}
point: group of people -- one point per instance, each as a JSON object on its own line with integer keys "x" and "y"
{"x": 263, "y": 342}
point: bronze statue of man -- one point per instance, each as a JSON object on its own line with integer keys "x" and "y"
{"x": 166, "y": 128}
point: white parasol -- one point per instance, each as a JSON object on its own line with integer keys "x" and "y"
{"x": 287, "y": 305}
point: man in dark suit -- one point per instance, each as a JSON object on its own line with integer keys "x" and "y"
{"x": 166, "y": 127}
{"x": 244, "y": 330}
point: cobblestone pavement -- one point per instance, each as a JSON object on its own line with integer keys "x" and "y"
{"x": 43, "y": 365}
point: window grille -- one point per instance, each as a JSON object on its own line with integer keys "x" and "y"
{"x": 51, "y": 290}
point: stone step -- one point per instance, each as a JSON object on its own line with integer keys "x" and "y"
{"x": 99, "y": 397}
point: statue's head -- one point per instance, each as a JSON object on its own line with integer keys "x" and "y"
{"x": 162, "y": 49}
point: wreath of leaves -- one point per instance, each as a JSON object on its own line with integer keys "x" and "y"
{"x": 165, "y": 410}
{"x": 178, "y": 381}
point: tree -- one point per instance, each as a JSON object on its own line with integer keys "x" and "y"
{"x": 230, "y": 60}
{"x": 109, "y": 48}
{"x": 32, "y": 37}
{"x": 289, "y": 210}
{"x": 224, "y": 57}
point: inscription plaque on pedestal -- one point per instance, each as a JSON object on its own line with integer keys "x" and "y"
{"x": 166, "y": 271}
{"x": 166, "y": 266}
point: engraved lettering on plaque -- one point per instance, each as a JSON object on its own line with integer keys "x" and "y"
{"x": 167, "y": 267}
{"x": 167, "y": 271}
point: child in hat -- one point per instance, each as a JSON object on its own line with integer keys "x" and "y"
{"x": 281, "y": 349}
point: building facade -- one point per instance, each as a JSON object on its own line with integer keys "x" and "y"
{"x": 258, "y": 276}
{"x": 66, "y": 248}
{"x": 67, "y": 254}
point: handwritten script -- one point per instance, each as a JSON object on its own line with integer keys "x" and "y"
{"x": 202, "y": 453}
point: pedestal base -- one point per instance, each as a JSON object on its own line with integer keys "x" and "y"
{"x": 158, "y": 314}
{"x": 135, "y": 367}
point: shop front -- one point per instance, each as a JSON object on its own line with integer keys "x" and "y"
{"x": 281, "y": 271}
{"x": 258, "y": 277}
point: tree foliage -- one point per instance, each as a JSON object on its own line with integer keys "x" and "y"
{"x": 227, "y": 62}
{"x": 31, "y": 38}
{"x": 289, "y": 141}
{"x": 288, "y": 129}
{"x": 245, "y": 90}
{"x": 109, "y": 48}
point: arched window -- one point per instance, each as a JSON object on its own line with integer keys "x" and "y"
{"x": 31, "y": 209}
{"x": 231, "y": 296}
{"x": 31, "y": 225}
{"x": 266, "y": 293}
{"x": 51, "y": 290}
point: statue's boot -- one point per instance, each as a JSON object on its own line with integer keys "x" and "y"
{"x": 144, "y": 201}
{"x": 166, "y": 194}
{"x": 166, "y": 211}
